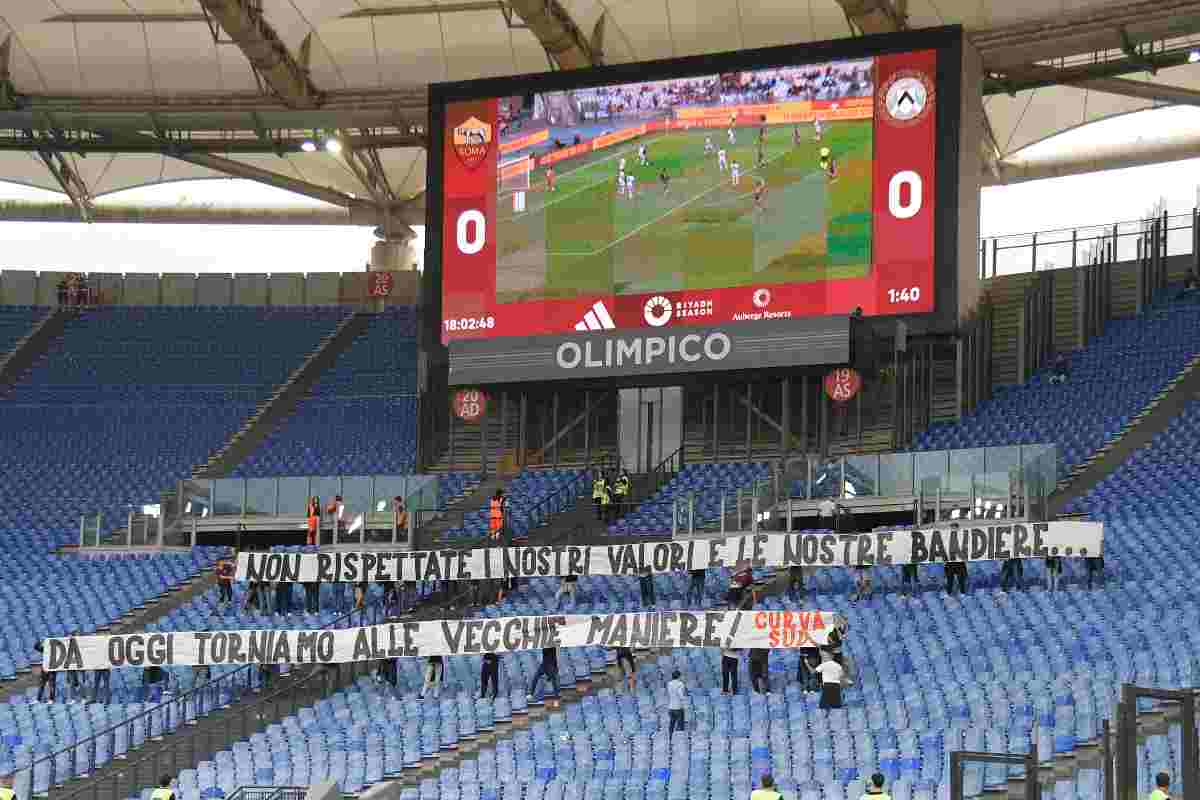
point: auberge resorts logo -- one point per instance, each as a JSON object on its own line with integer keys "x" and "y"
{"x": 472, "y": 139}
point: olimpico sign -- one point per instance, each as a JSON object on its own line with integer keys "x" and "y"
{"x": 644, "y": 351}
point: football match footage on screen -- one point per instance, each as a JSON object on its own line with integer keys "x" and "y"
{"x": 767, "y": 194}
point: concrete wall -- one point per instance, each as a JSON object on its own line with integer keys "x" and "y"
{"x": 287, "y": 290}
{"x": 18, "y": 287}
{"x": 214, "y": 290}
{"x": 26, "y": 287}
{"x": 179, "y": 290}
{"x": 250, "y": 290}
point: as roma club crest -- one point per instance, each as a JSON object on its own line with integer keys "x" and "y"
{"x": 472, "y": 140}
{"x": 906, "y": 98}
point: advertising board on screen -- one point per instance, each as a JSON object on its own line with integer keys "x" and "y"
{"x": 620, "y": 211}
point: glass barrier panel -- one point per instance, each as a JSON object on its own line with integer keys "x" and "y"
{"x": 1039, "y": 464}
{"x": 959, "y": 484}
{"x": 262, "y": 496}
{"x": 325, "y": 488}
{"x": 1179, "y": 238}
{"x": 862, "y": 476}
{"x": 293, "y": 495}
{"x": 896, "y": 474}
{"x": 827, "y": 479}
{"x": 967, "y": 461}
{"x": 422, "y": 490}
{"x": 228, "y": 496}
{"x": 385, "y": 490}
{"x": 197, "y": 499}
{"x": 356, "y": 494}
{"x": 1002, "y": 459}
{"x": 932, "y": 465}
{"x": 1054, "y": 255}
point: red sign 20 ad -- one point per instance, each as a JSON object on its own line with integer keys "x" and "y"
{"x": 737, "y": 197}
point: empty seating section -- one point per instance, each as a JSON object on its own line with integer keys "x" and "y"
{"x": 16, "y": 322}
{"x": 359, "y": 418}
{"x": 528, "y": 502}
{"x": 1111, "y": 380}
{"x": 125, "y": 402}
{"x": 31, "y": 731}
{"x": 128, "y": 400}
{"x": 48, "y": 595}
{"x": 1158, "y": 481}
{"x": 705, "y": 482}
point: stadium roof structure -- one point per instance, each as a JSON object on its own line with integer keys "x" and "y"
{"x": 102, "y": 95}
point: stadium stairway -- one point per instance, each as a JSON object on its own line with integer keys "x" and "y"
{"x": 431, "y": 534}
{"x": 27, "y": 349}
{"x": 284, "y": 400}
{"x": 609, "y": 678}
{"x": 135, "y": 620}
{"x": 1138, "y": 433}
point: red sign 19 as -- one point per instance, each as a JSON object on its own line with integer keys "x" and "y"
{"x": 842, "y": 384}
{"x": 469, "y": 404}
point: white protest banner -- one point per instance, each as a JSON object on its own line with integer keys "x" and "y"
{"x": 973, "y": 541}
{"x": 773, "y": 630}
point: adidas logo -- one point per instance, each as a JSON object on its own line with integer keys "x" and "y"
{"x": 596, "y": 319}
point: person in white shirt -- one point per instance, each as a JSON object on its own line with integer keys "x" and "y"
{"x": 876, "y": 792}
{"x": 735, "y": 171}
{"x": 732, "y": 138}
{"x": 621, "y": 183}
{"x": 708, "y": 145}
{"x": 621, "y": 165}
{"x": 676, "y": 697}
{"x": 642, "y": 155}
{"x": 629, "y": 184}
{"x": 827, "y": 511}
{"x": 818, "y": 129}
{"x": 721, "y": 162}
{"x": 831, "y": 673}
{"x": 767, "y": 790}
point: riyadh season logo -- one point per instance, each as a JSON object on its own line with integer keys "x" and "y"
{"x": 657, "y": 311}
{"x": 762, "y": 298}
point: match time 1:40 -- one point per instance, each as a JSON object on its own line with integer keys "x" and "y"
{"x": 912, "y": 294}
{"x": 470, "y": 323}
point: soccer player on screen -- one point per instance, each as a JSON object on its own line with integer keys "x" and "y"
{"x": 721, "y": 161}
{"x": 621, "y": 183}
{"x": 735, "y": 171}
{"x": 621, "y": 164}
{"x": 708, "y": 146}
{"x": 550, "y": 179}
{"x": 796, "y": 135}
{"x": 630, "y": 183}
{"x": 818, "y": 129}
{"x": 760, "y": 195}
{"x": 828, "y": 164}
{"x": 665, "y": 180}
{"x": 642, "y": 160}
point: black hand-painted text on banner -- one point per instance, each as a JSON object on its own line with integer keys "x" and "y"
{"x": 968, "y": 542}
{"x": 741, "y": 629}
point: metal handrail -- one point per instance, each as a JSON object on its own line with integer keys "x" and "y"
{"x": 1107, "y": 226}
{"x": 559, "y": 498}
{"x": 211, "y": 687}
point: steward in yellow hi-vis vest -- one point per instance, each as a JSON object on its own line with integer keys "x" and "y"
{"x": 163, "y": 792}
{"x": 599, "y": 490}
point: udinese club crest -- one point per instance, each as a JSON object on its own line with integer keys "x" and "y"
{"x": 472, "y": 139}
{"x": 906, "y": 98}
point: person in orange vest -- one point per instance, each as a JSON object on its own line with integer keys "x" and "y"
{"x": 496, "y": 516}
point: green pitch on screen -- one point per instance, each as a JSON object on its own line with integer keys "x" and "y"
{"x": 702, "y": 233}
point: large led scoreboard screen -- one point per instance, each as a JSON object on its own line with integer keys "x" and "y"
{"x": 738, "y": 192}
